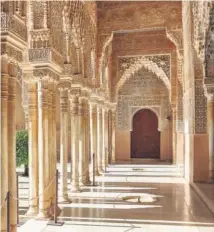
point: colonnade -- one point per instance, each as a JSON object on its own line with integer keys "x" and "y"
{"x": 90, "y": 133}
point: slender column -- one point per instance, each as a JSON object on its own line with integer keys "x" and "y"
{"x": 82, "y": 160}
{"x": 210, "y": 127}
{"x": 93, "y": 134}
{"x": 12, "y": 145}
{"x": 106, "y": 137}
{"x": 103, "y": 138}
{"x": 63, "y": 144}
{"x": 91, "y": 129}
{"x": 50, "y": 151}
{"x": 4, "y": 140}
{"x": 54, "y": 148}
{"x": 99, "y": 139}
{"x": 113, "y": 125}
{"x": 75, "y": 143}
{"x": 174, "y": 135}
{"x": 43, "y": 146}
{"x": 94, "y": 115}
{"x": 110, "y": 135}
{"x": 87, "y": 143}
{"x": 33, "y": 147}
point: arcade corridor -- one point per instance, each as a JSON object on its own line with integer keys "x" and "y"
{"x": 168, "y": 203}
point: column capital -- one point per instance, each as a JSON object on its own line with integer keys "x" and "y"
{"x": 75, "y": 92}
{"x": 64, "y": 85}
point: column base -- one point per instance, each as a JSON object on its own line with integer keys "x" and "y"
{"x": 75, "y": 190}
{"x": 43, "y": 215}
{"x": 97, "y": 173}
{"x": 64, "y": 200}
{"x": 32, "y": 211}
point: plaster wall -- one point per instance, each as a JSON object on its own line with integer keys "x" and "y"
{"x": 166, "y": 145}
{"x": 123, "y": 145}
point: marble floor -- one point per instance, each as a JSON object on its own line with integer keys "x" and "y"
{"x": 129, "y": 197}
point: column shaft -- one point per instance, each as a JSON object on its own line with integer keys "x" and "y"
{"x": 87, "y": 143}
{"x": 54, "y": 147}
{"x": 99, "y": 139}
{"x": 82, "y": 161}
{"x": 33, "y": 147}
{"x": 63, "y": 144}
{"x": 50, "y": 147}
{"x": 75, "y": 144}
{"x": 113, "y": 125}
{"x": 4, "y": 142}
{"x": 174, "y": 135}
{"x": 43, "y": 147}
{"x": 103, "y": 139}
{"x": 106, "y": 133}
{"x": 12, "y": 150}
{"x": 94, "y": 119}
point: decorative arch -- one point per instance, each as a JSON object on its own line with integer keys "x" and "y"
{"x": 143, "y": 62}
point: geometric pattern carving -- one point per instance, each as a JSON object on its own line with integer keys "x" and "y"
{"x": 143, "y": 90}
{"x": 200, "y": 108}
{"x": 158, "y": 64}
{"x": 179, "y": 117}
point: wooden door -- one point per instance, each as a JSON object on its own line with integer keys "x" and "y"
{"x": 145, "y": 137}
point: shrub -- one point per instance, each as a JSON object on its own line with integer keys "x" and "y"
{"x": 22, "y": 148}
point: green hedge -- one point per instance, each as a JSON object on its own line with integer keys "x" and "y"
{"x": 22, "y": 148}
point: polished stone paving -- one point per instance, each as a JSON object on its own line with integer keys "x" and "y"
{"x": 168, "y": 203}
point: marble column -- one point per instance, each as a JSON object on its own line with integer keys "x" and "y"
{"x": 33, "y": 147}
{"x": 210, "y": 128}
{"x": 43, "y": 147}
{"x": 103, "y": 134}
{"x": 54, "y": 147}
{"x": 4, "y": 141}
{"x": 113, "y": 126}
{"x": 106, "y": 138}
{"x": 174, "y": 135}
{"x": 81, "y": 137}
{"x": 99, "y": 138}
{"x": 87, "y": 143}
{"x": 110, "y": 135}
{"x": 12, "y": 145}
{"x": 95, "y": 141}
{"x": 74, "y": 104}
{"x": 93, "y": 135}
{"x": 50, "y": 151}
{"x": 63, "y": 144}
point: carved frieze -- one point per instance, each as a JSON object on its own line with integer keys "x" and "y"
{"x": 11, "y": 24}
{"x": 11, "y": 52}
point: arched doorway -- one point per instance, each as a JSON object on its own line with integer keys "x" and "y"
{"x": 145, "y": 137}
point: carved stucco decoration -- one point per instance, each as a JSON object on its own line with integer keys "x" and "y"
{"x": 107, "y": 42}
{"x": 209, "y": 57}
{"x": 11, "y": 24}
{"x": 201, "y": 17}
{"x": 158, "y": 64}
{"x": 176, "y": 36}
{"x": 179, "y": 116}
{"x": 143, "y": 90}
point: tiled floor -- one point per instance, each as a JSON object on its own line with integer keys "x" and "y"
{"x": 168, "y": 204}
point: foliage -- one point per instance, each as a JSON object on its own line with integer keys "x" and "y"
{"x": 22, "y": 148}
